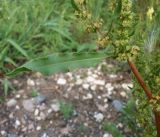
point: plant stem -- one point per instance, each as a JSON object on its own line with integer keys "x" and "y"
{"x": 140, "y": 79}
{"x": 157, "y": 119}
{"x": 147, "y": 92}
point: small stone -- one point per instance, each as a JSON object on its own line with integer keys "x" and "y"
{"x": 44, "y": 135}
{"x": 11, "y": 103}
{"x": 88, "y": 96}
{"x": 113, "y": 76}
{"x": 50, "y": 111}
{"x": 30, "y": 82}
{"x": 36, "y": 112}
{"x": 127, "y": 86}
{"x": 99, "y": 97}
{"x": 61, "y": 81}
{"x": 117, "y": 105}
{"x": 17, "y": 107}
{"x": 101, "y": 108}
{"x": 85, "y": 86}
{"x": 55, "y": 107}
{"x": 28, "y": 105}
{"x": 42, "y": 116}
{"x": 120, "y": 125}
{"x": 107, "y": 135}
{"x": 40, "y": 99}
{"x": 105, "y": 100}
{"x": 93, "y": 87}
{"x": 18, "y": 96}
{"x": 38, "y": 128}
{"x": 3, "y": 132}
{"x": 99, "y": 82}
{"x": 90, "y": 79}
{"x": 123, "y": 94}
{"x": 11, "y": 115}
{"x": 79, "y": 82}
{"x": 31, "y": 126}
{"x": 99, "y": 117}
{"x": 17, "y": 123}
{"x": 12, "y": 135}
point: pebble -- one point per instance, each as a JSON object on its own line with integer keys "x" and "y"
{"x": 105, "y": 100}
{"x": 38, "y": 128}
{"x": 11, "y": 103}
{"x": 117, "y": 105}
{"x": 40, "y": 99}
{"x": 44, "y": 135}
{"x": 99, "y": 117}
{"x": 99, "y": 82}
{"x": 123, "y": 94}
{"x": 85, "y": 86}
{"x": 113, "y": 76}
{"x": 17, "y": 123}
{"x": 28, "y": 105}
{"x": 36, "y": 112}
{"x": 109, "y": 87}
{"x": 3, "y": 133}
{"x": 79, "y": 82}
{"x": 18, "y": 96}
{"x": 107, "y": 135}
{"x": 127, "y": 86}
{"x": 12, "y": 135}
{"x": 17, "y": 107}
{"x": 88, "y": 96}
{"x": 90, "y": 79}
{"x": 30, "y": 82}
{"x": 61, "y": 81}
{"x": 93, "y": 87}
{"x": 55, "y": 107}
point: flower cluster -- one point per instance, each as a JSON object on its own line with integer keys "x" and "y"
{"x": 122, "y": 42}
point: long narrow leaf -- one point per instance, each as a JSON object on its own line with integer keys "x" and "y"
{"x": 20, "y": 49}
{"x": 62, "y": 62}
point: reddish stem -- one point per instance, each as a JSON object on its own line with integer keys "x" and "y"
{"x": 140, "y": 79}
{"x": 157, "y": 119}
{"x": 147, "y": 92}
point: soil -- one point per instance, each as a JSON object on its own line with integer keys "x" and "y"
{"x": 91, "y": 93}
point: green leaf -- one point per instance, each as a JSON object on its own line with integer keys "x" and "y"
{"x": 61, "y": 62}
{"x": 111, "y": 128}
{"x": 118, "y": 8}
{"x": 18, "y": 47}
{"x": 74, "y": 5}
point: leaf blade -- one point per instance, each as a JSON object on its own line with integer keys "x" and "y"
{"x": 61, "y": 62}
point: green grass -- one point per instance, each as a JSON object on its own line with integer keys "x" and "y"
{"x": 34, "y": 27}
{"x": 66, "y": 109}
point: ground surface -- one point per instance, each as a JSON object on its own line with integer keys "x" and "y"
{"x": 90, "y": 97}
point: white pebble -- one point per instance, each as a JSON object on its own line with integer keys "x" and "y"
{"x": 3, "y": 133}
{"x": 105, "y": 100}
{"x": 17, "y": 123}
{"x": 85, "y": 86}
{"x": 123, "y": 94}
{"x": 93, "y": 87}
{"x": 99, "y": 117}
{"x": 107, "y": 135}
{"x": 79, "y": 82}
{"x": 17, "y": 107}
{"x": 88, "y": 96}
{"x": 36, "y": 112}
{"x": 127, "y": 86}
{"x": 30, "y": 82}
{"x": 18, "y": 96}
{"x": 38, "y": 128}
{"x": 99, "y": 82}
{"x": 61, "y": 81}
